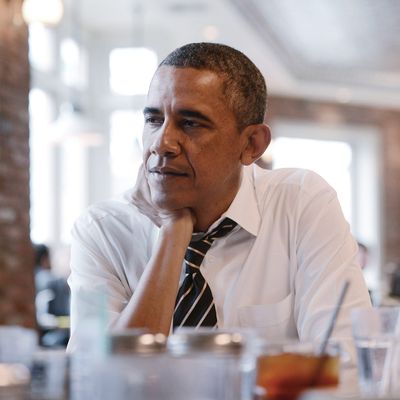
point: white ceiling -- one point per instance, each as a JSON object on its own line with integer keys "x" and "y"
{"x": 341, "y": 50}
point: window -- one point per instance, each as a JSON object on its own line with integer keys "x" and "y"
{"x": 41, "y": 47}
{"x": 330, "y": 159}
{"x": 131, "y": 70}
{"x": 73, "y": 185}
{"x": 73, "y": 64}
{"x": 125, "y": 148}
{"x": 347, "y": 158}
{"x": 41, "y": 109}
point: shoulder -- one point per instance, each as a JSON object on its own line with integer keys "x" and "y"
{"x": 289, "y": 190}
{"x": 116, "y": 214}
{"x": 289, "y": 180}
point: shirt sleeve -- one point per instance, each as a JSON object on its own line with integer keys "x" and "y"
{"x": 108, "y": 255}
{"x": 326, "y": 258}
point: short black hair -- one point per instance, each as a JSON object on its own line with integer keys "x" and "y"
{"x": 244, "y": 85}
{"x": 41, "y": 251}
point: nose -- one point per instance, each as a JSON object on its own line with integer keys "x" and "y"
{"x": 167, "y": 141}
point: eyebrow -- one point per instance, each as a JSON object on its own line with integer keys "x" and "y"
{"x": 151, "y": 110}
{"x": 184, "y": 113}
{"x": 194, "y": 114}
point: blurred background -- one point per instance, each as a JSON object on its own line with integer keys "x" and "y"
{"x": 333, "y": 74}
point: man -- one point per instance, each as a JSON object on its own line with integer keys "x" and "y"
{"x": 286, "y": 249}
{"x": 52, "y": 299}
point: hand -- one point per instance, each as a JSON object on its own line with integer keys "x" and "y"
{"x": 141, "y": 198}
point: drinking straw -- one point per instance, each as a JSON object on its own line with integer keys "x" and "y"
{"x": 328, "y": 333}
{"x": 334, "y": 316}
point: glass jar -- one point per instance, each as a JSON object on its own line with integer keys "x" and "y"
{"x": 137, "y": 341}
{"x": 210, "y": 364}
{"x": 134, "y": 369}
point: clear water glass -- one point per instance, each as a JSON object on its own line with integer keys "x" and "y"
{"x": 376, "y": 332}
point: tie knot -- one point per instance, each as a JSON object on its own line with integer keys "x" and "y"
{"x": 197, "y": 249}
{"x": 222, "y": 229}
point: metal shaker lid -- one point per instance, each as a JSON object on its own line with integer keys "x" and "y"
{"x": 220, "y": 342}
{"x": 138, "y": 341}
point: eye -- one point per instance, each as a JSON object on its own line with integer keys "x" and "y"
{"x": 153, "y": 120}
{"x": 189, "y": 123}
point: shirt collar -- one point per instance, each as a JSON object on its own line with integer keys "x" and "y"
{"x": 244, "y": 207}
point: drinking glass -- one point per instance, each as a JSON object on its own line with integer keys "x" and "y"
{"x": 376, "y": 332}
{"x": 285, "y": 370}
{"x": 17, "y": 344}
{"x": 49, "y": 374}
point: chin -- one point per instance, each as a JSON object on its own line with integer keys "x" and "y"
{"x": 169, "y": 203}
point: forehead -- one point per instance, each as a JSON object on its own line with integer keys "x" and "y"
{"x": 185, "y": 84}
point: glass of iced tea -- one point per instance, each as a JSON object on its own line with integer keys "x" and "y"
{"x": 286, "y": 370}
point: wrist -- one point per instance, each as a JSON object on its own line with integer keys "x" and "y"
{"x": 178, "y": 227}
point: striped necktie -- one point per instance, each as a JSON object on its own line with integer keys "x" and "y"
{"x": 194, "y": 303}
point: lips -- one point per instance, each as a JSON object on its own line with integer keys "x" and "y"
{"x": 167, "y": 171}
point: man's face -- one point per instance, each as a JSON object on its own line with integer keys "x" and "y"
{"x": 192, "y": 145}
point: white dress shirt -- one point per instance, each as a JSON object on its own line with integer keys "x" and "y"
{"x": 280, "y": 270}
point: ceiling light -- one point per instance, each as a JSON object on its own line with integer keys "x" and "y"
{"x": 48, "y": 12}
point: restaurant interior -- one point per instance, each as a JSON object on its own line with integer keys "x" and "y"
{"x": 73, "y": 80}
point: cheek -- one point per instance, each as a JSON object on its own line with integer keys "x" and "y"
{"x": 216, "y": 158}
{"x": 146, "y": 143}
{"x": 146, "y": 149}
{"x": 145, "y": 158}
{"x": 206, "y": 149}
{"x": 194, "y": 153}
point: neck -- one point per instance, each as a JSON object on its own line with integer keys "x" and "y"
{"x": 212, "y": 211}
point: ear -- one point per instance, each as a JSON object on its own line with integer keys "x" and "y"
{"x": 256, "y": 140}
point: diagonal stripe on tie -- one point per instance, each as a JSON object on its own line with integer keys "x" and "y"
{"x": 194, "y": 302}
{"x": 185, "y": 292}
{"x": 194, "y": 258}
{"x": 192, "y": 265}
{"x": 196, "y": 251}
{"x": 191, "y": 315}
{"x": 206, "y": 314}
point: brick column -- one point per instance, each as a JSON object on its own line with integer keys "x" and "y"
{"x": 16, "y": 255}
